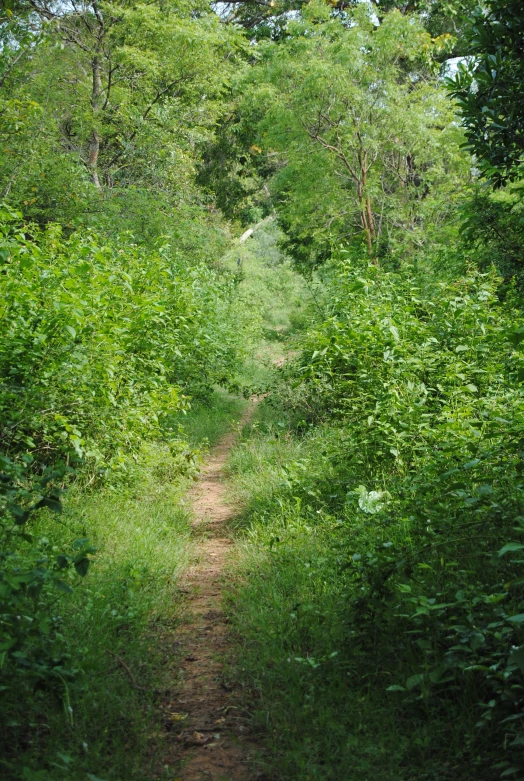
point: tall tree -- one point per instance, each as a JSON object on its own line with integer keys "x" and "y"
{"x": 363, "y": 131}
{"x": 121, "y": 93}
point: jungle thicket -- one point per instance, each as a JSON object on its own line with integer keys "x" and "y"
{"x": 377, "y": 148}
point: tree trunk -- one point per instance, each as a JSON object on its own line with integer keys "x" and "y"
{"x": 94, "y": 143}
{"x": 94, "y": 149}
{"x": 366, "y": 212}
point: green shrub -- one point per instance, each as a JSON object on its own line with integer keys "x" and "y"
{"x": 101, "y": 345}
{"x": 409, "y": 400}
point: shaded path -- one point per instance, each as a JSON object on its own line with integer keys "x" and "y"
{"x": 212, "y": 739}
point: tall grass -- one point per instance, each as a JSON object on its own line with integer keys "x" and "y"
{"x": 209, "y": 419}
{"x": 116, "y": 628}
{"x": 322, "y": 708}
{"x": 104, "y": 720}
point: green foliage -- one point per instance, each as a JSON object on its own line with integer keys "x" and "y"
{"x": 363, "y": 136}
{"x": 210, "y": 418}
{"x": 88, "y": 700}
{"x": 102, "y": 345}
{"x": 493, "y": 226}
{"x": 382, "y": 480}
{"x": 116, "y": 330}
{"x": 488, "y": 88}
{"x": 408, "y": 479}
{"x": 102, "y": 117}
{"x": 269, "y": 282}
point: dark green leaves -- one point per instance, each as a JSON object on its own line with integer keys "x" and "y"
{"x": 82, "y": 566}
{"x": 488, "y": 88}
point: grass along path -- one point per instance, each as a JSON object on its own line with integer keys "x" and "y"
{"x": 212, "y": 739}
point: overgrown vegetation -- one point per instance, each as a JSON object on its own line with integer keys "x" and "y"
{"x": 390, "y": 517}
{"x": 117, "y": 314}
{"x": 379, "y": 601}
{"x": 378, "y": 302}
{"x": 89, "y": 678}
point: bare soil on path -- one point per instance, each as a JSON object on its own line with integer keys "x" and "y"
{"x": 211, "y": 733}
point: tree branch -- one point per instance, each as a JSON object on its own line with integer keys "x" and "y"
{"x": 6, "y": 73}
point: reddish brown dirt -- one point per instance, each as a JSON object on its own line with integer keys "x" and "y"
{"x": 211, "y": 734}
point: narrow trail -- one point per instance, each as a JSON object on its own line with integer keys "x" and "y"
{"x": 212, "y": 742}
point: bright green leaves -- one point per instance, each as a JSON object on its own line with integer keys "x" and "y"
{"x": 101, "y": 343}
{"x": 103, "y": 126}
{"x": 364, "y": 130}
{"x": 416, "y": 459}
{"x": 93, "y": 351}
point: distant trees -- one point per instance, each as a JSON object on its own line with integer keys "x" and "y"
{"x": 114, "y": 96}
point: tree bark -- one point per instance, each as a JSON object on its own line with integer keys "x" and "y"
{"x": 94, "y": 142}
{"x": 366, "y": 214}
{"x": 92, "y": 160}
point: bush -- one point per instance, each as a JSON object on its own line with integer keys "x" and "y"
{"x": 102, "y": 344}
{"x": 410, "y": 477}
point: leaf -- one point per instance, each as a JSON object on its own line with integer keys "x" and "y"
{"x": 518, "y": 619}
{"x": 370, "y": 501}
{"x": 62, "y": 586}
{"x": 66, "y": 758}
{"x": 177, "y": 716}
{"x": 20, "y": 515}
{"x": 396, "y": 688}
{"x": 414, "y": 680}
{"x": 511, "y": 546}
{"x": 516, "y": 657}
{"x": 82, "y": 567}
{"x": 471, "y": 464}
{"x": 52, "y": 502}
{"x": 71, "y": 331}
{"x": 437, "y": 675}
{"x": 511, "y": 771}
{"x": 394, "y": 331}
{"x": 516, "y": 336}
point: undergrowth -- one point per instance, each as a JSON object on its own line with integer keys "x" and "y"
{"x": 378, "y": 605}
{"x": 98, "y": 714}
{"x": 208, "y": 420}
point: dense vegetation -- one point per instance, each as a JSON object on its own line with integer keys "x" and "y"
{"x": 378, "y": 602}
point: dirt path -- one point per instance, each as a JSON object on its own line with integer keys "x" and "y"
{"x": 212, "y": 740}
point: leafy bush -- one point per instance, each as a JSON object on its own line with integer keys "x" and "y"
{"x": 411, "y": 402}
{"x": 493, "y": 228}
{"x": 487, "y": 86}
{"x": 102, "y": 344}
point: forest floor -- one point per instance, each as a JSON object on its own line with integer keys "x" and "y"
{"x": 212, "y": 739}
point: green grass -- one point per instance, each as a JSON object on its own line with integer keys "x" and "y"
{"x": 207, "y": 421}
{"x": 257, "y": 461}
{"x": 270, "y": 284}
{"x": 117, "y": 626}
{"x": 321, "y": 706}
{"x": 129, "y": 603}
{"x": 106, "y": 722}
